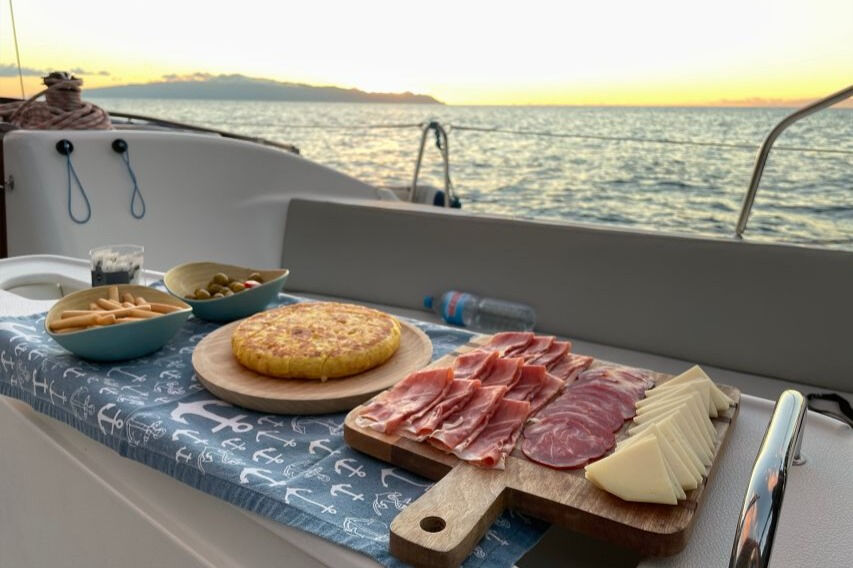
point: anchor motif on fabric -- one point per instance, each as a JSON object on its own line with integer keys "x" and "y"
{"x": 120, "y": 370}
{"x": 234, "y": 444}
{"x": 209, "y": 454}
{"x": 53, "y": 394}
{"x": 81, "y": 404}
{"x": 7, "y": 362}
{"x": 384, "y": 502}
{"x": 185, "y": 350}
{"x": 169, "y": 387}
{"x": 108, "y": 390}
{"x": 169, "y": 374}
{"x": 287, "y": 443}
{"x": 344, "y": 464}
{"x": 340, "y": 488}
{"x": 269, "y": 420}
{"x": 139, "y": 433}
{"x": 20, "y": 331}
{"x": 492, "y": 535}
{"x": 39, "y": 385}
{"x": 317, "y": 471}
{"x": 182, "y": 455}
{"x": 191, "y": 435}
{"x": 114, "y": 421}
{"x": 299, "y": 423}
{"x": 295, "y": 492}
{"x": 196, "y": 338}
{"x": 199, "y": 408}
{"x": 389, "y": 472}
{"x": 374, "y": 529}
{"x": 36, "y": 353}
{"x": 270, "y": 459}
{"x": 19, "y": 349}
{"x": 135, "y": 391}
{"x": 259, "y": 473}
{"x": 319, "y": 444}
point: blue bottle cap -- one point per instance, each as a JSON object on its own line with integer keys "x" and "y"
{"x": 428, "y": 302}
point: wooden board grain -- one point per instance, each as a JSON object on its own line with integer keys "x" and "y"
{"x": 220, "y": 373}
{"x": 441, "y": 528}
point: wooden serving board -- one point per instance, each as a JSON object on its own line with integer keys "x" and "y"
{"x": 220, "y": 373}
{"x": 442, "y": 527}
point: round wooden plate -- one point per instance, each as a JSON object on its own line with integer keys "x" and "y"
{"x": 221, "y": 373}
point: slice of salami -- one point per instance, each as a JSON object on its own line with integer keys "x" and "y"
{"x": 563, "y": 445}
{"x": 625, "y": 400}
{"x": 606, "y": 411}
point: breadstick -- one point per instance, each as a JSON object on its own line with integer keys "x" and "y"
{"x": 127, "y": 297}
{"x": 163, "y": 308}
{"x": 82, "y": 321}
{"x": 70, "y": 329}
{"x": 128, "y": 319}
{"x": 95, "y": 307}
{"x": 141, "y": 313}
{"x": 113, "y": 293}
{"x": 74, "y": 313}
{"x": 140, "y": 301}
{"x": 128, "y": 305}
{"x": 108, "y": 304}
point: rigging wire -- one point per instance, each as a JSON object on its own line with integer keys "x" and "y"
{"x": 17, "y": 51}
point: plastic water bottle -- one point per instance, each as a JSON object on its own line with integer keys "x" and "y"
{"x": 484, "y": 314}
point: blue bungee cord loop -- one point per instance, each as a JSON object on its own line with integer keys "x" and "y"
{"x": 65, "y": 147}
{"x": 120, "y": 147}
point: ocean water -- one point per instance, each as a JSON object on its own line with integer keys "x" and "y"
{"x": 804, "y": 198}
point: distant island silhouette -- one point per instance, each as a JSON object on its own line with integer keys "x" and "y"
{"x": 241, "y": 87}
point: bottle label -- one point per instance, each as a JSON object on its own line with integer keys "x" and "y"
{"x": 453, "y": 305}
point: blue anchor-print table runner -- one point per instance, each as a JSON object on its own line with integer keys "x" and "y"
{"x": 294, "y": 469}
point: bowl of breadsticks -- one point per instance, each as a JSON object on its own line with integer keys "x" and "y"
{"x": 116, "y": 323}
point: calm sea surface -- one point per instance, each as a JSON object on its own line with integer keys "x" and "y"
{"x": 805, "y": 197}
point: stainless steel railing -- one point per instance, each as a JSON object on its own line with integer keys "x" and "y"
{"x": 764, "y": 150}
{"x": 762, "y": 504}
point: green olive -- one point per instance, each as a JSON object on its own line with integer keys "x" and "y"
{"x": 190, "y": 297}
{"x": 218, "y": 295}
{"x": 237, "y": 286}
{"x": 202, "y": 294}
{"x": 256, "y": 276}
{"x": 213, "y": 288}
{"x": 226, "y": 292}
{"x": 220, "y": 278}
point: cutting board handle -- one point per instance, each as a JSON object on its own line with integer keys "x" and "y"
{"x": 442, "y": 527}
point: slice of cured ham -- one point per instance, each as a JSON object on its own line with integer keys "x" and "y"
{"x": 474, "y": 364}
{"x": 423, "y": 423}
{"x": 505, "y": 371}
{"x": 491, "y": 445}
{"x": 539, "y": 345}
{"x": 531, "y": 380}
{"x": 509, "y": 341}
{"x": 564, "y": 444}
{"x": 554, "y": 353}
{"x": 543, "y": 396}
{"x": 414, "y": 393}
{"x": 468, "y": 420}
{"x": 568, "y": 367}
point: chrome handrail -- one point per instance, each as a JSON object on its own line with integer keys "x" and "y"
{"x": 764, "y": 151}
{"x": 443, "y": 145}
{"x": 762, "y": 504}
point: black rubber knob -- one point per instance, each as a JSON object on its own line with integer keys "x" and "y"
{"x": 64, "y": 147}
{"x": 119, "y": 146}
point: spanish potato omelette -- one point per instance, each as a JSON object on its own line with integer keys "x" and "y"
{"x": 316, "y": 340}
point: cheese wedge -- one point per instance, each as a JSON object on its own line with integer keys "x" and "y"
{"x": 702, "y": 387}
{"x": 635, "y": 473}
{"x": 682, "y": 446}
{"x": 691, "y": 397}
{"x": 721, "y": 400}
{"x": 682, "y": 419}
{"x": 683, "y": 472}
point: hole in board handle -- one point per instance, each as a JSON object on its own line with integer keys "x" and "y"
{"x": 433, "y": 524}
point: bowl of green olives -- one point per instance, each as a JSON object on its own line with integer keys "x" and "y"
{"x": 223, "y": 292}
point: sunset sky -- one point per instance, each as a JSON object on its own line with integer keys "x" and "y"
{"x": 656, "y": 52}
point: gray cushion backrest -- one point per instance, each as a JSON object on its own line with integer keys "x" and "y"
{"x": 772, "y": 310}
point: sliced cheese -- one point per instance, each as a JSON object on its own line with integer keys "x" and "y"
{"x": 702, "y": 387}
{"x": 681, "y": 415}
{"x": 635, "y": 473}
{"x": 682, "y": 470}
{"x": 697, "y": 410}
{"x": 721, "y": 400}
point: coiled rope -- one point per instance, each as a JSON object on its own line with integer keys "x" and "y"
{"x": 63, "y": 109}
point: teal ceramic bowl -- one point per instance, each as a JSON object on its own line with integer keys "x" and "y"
{"x": 121, "y": 341}
{"x": 183, "y": 280}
